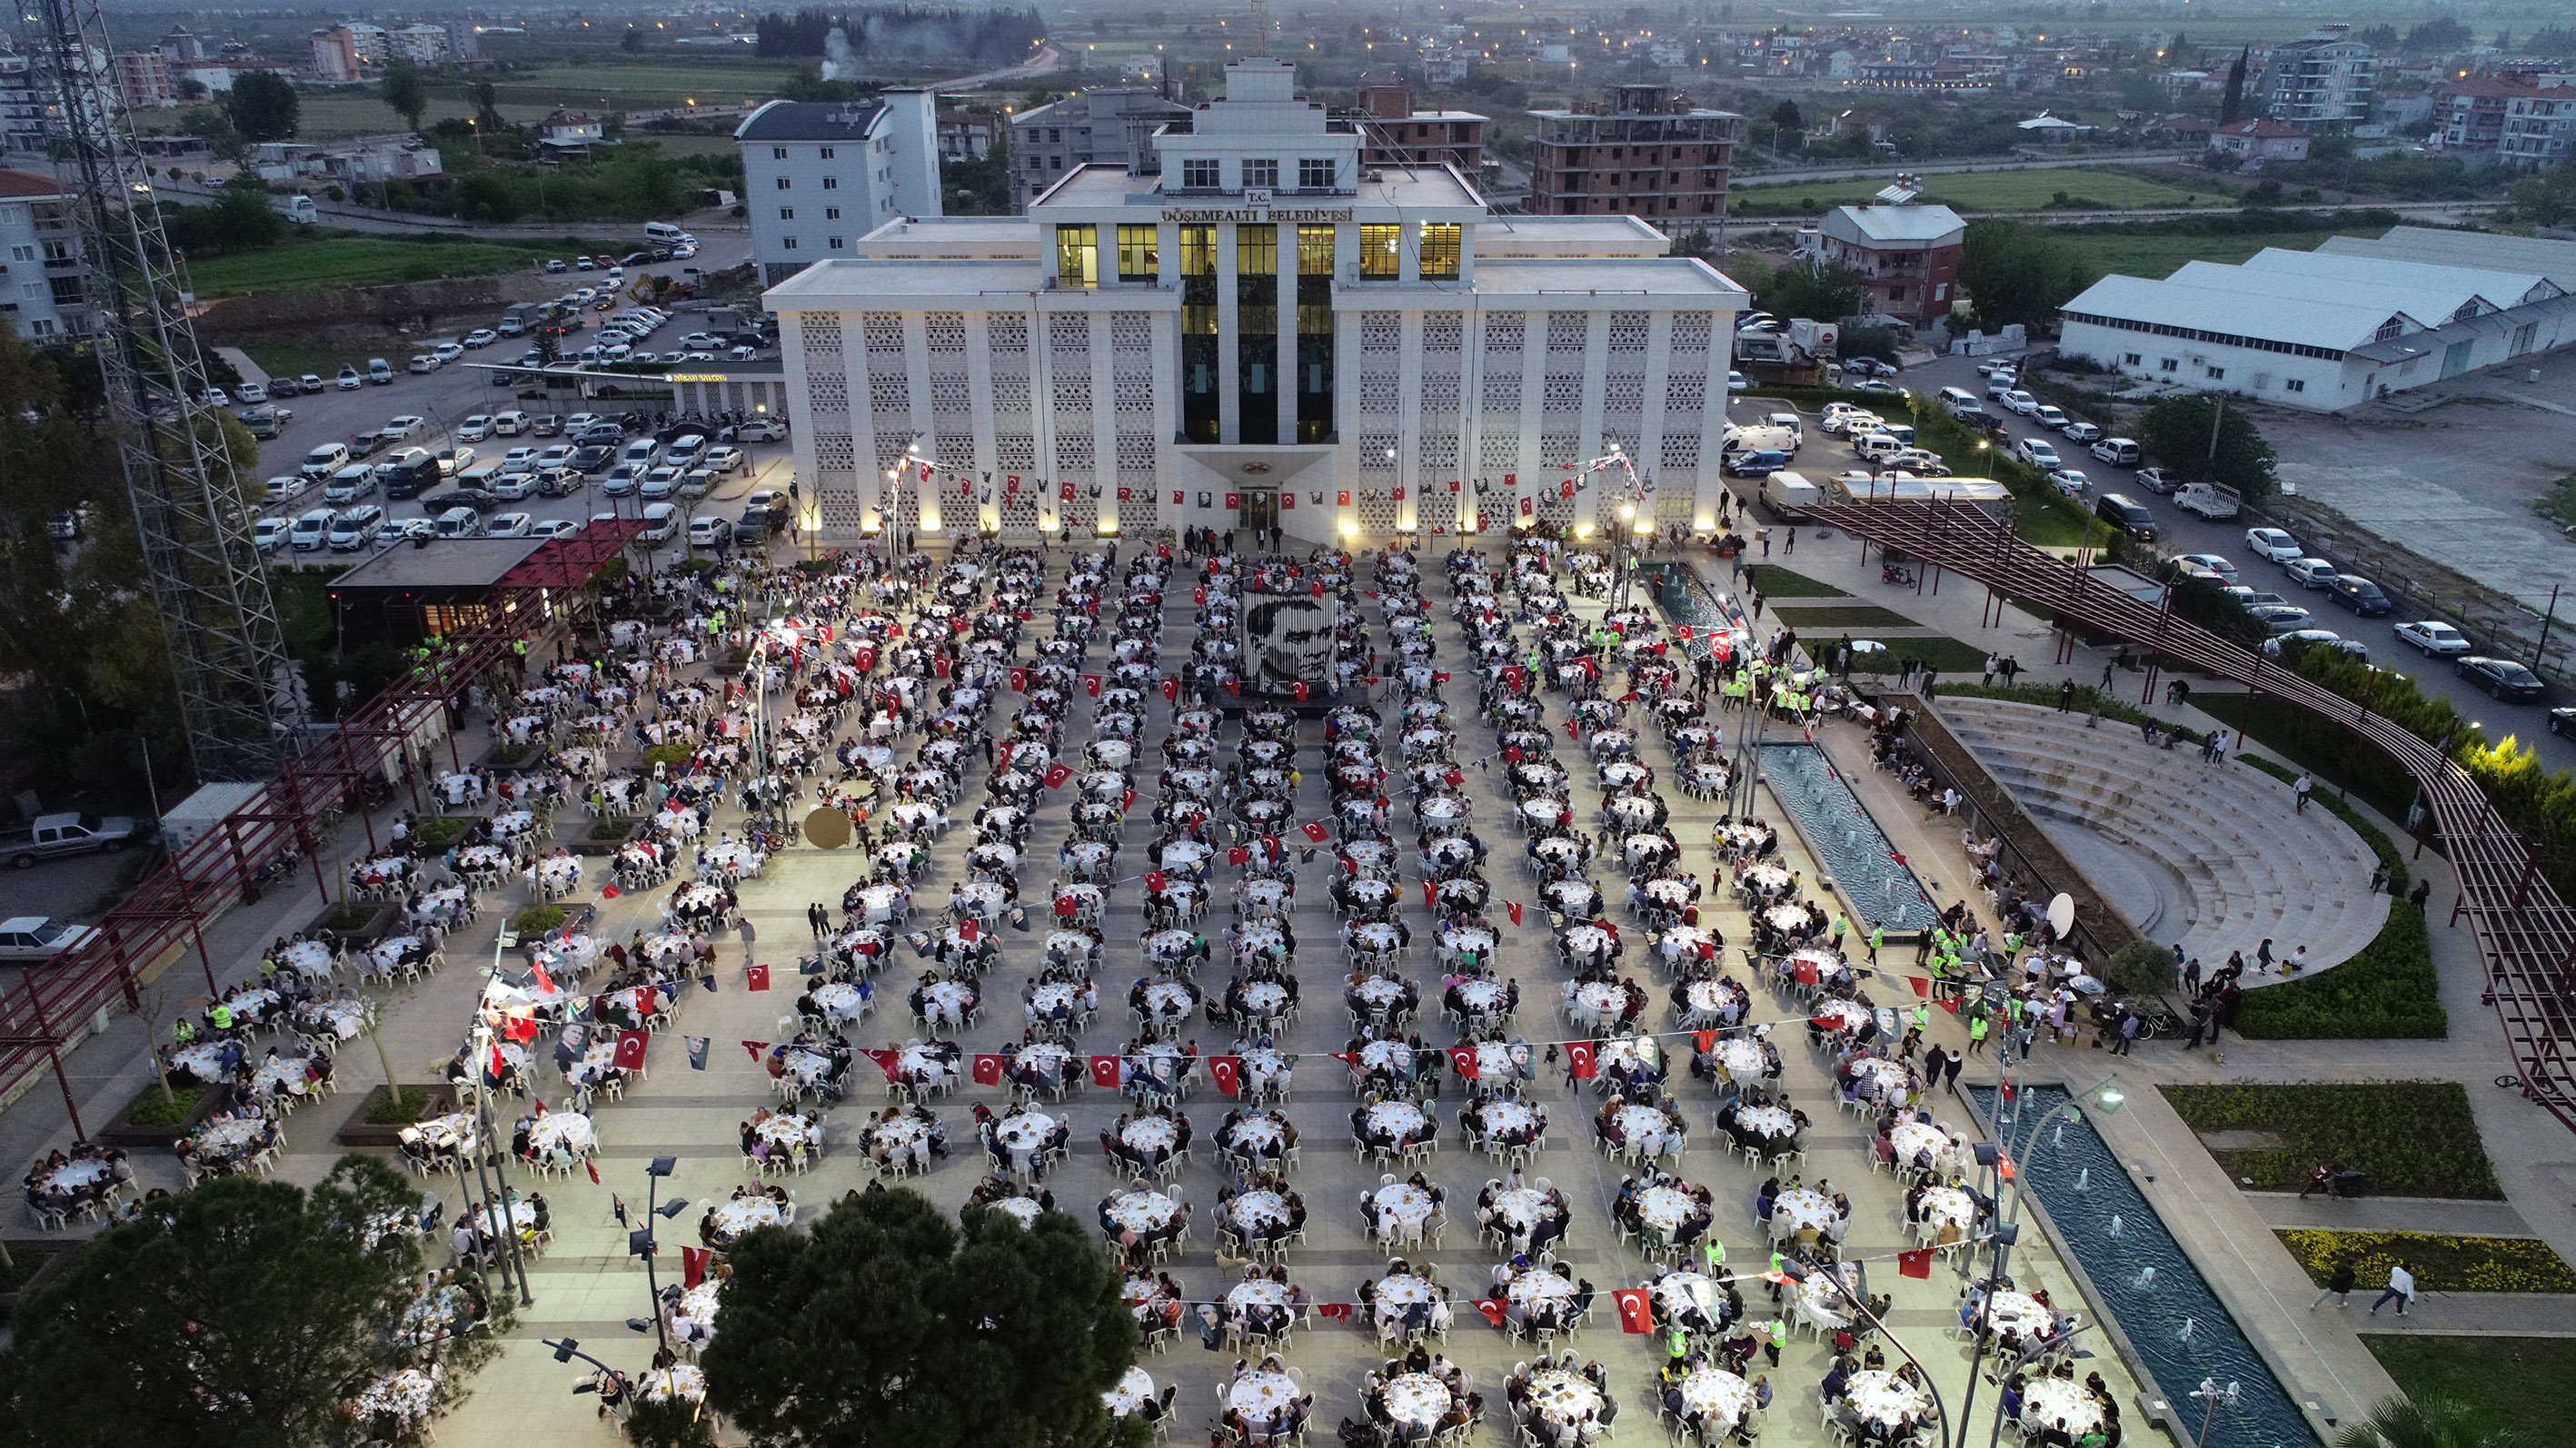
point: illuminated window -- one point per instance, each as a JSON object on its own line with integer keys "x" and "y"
{"x": 1314, "y": 251}
{"x": 1440, "y": 249}
{"x": 1077, "y": 256}
{"x": 1382, "y": 252}
{"x": 1256, "y": 251}
{"x": 1198, "y": 251}
{"x": 1139, "y": 253}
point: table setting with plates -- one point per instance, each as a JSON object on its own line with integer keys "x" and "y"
{"x": 2019, "y": 1316}
{"x": 1838, "y": 1013}
{"x": 1770, "y": 1123}
{"x": 2057, "y": 1403}
{"x": 514, "y": 824}
{"x": 1715, "y": 1002}
{"x": 1595, "y": 1003}
{"x": 308, "y": 958}
{"x": 1561, "y": 1396}
{"x": 1539, "y": 1288}
{"x": 380, "y": 875}
{"x": 1135, "y": 1389}
{"x": 977, "y": 899}
{"x": 693, "y": 1316}
{"x": 1668, "y": 1208}
{"x": 1650, "y": 1130}
{"x": 745, "y": 1213}
{"x": 1941, "y": 1207}
{"x": 1401, "y": 1206}
{"x": 1884, "y": 1398}
{"x": 1789, "y": 918}
{"x": 1262, "y": 1397}
{"x": 880, "y": 904}
{"x": 1024, "y": 1131}
{"x": 1514, "y": 1123}
{"x": 1720, "y": 1398}
{"x": 1875, "y": 1077}
{"x": 404, "y": 1395}
{"x": 77, "y": 1178}
{"x": 947, "y": 1002}
{"x": 569, "y": 1131}
{"x": 1741, "y": 1059}
{"x": 1917, "y": 1144}
{"x": 1402, "y": 1120}
{"x": 1152, "y": 1138}
{"x": 787, "y": 1132}
{"x": 1764, "y": 878}
{"x": 482, "y": 860}
{"x": 1416, "y": 1400}
{"x": 1803, "y": 1208}
{"x": 1143, "y": 1211}
{"x": 678, "y": 1383}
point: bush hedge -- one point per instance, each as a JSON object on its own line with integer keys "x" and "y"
{"x": 2411, "y": 1138}
{"x": 2390, "y": 991}
{"x": 439, "y": 831}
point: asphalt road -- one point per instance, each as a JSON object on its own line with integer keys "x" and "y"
{"x": 2182, "y": 532}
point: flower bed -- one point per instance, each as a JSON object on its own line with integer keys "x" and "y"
{"x": 380, "y": 1118}
{"x": 2440, "y": 1262}
{"x": 2411, "y": 1138}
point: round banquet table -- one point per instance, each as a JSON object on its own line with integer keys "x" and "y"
{"x": 1805, "y": 1207}
{"x": 2055, "y": 1402}
{"x": 742, "y": 1214}
{"x": 1023, "y": 1210}
{"x": 1253, "y": 1135}
{"x": 1537, "y": 1286}
{"x": 569, "y": 1130}
{"x": 1876, "y": 1078}
{"x": 1946, "y": 1207}
{"x": 840, "y": 1000}
{"x": 1169, "y": 1000}
{"x": 1651, "y": 1130}
{"x": 1841, "y": 1014}
{"x": 1259, "y": 897}
{"x": 1261, "y": 1397}
{"x": 678, "y": 1383}
{"x": 789, "y": 1132}
{"x": 1596, "y": 1002}
{"x": 1024, "y": 1130}
{"x": 1404, "y": 1201}
{"x": 1766, "y": 877}
{"x": 1910, "y": 1137}
{"x": 1264, "y": 999}
{"x": 1447, "y": 807}
{"x": 1666, "y": 1208}
{"x": 1583, "y": 941}
{"x": 895, "y": 1137}
{"x": 1142, "y": 1211}
{"x": 1771, "y": 1123}
{"x": 1718, "y": 1396}
{"x": 947, "y": 1001}
{"x": 981, "y": 899}
{"x": 1047, "y": 1058}
{"x": 1669, "y": 892}
{"x": 1710, "y": 999}
{"x": 306, "y": 957}
{"x": 1152, "y": 1137}
{"x": 404, "y": 1394}
{"x": 1401, "y": 1119}
{"x": 1381, "y": 992}
{"x": 882, "y": 902}
{"x": 1258, "y": 1291}
{"x": 1743, "y": 1059}
{"x": 1184, "y": 854}
{"x": 693, "y": 1317}
{"x": 1884, "y": 1398}
{"x": 2018, "y": 1314}
{"x": 1417, "y": 1399}
{"x": 1133, "y": 1392}
{"x": 76, "y": 1176}
{"x": 1368, "y": 854}
{"x": 513, "y": 823}
{"x": 482, "y": 857}
{"x": 1788, "y": 917}
{"x": 1515, "y": 1121}
{"x": 1523, "y": 1207}
{"x": 205, "y": 1061}
{"x": 1169, "y": 945}
{"x": 1563, "y": 1397}
{"x": 1392, "y": 1057}
{"x": 1543, "y": 811}
{"x": 1478, "y": 997}
{"x": 1676, "y": 1290}
{"x": 1250, "y": 1211}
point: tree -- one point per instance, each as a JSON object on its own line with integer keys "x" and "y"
{"x": 406, "y": 92}
{"x": 981, "y": 185}
{"x": 887, "y": 1326}
{"x": 210, "y": 125}
{"x": 1819, "y": 293}
{"x": 632, "y": 42}
{"x": 2177, "y": 433}
{"x": 2231, "y": 106}
{"x": 2548, "y": 199}
{"x": 1695, "y": 242}
{"x": 243, "y": 1311}
{"x": 487, "y": 108}
{"x": 1786, "y": 123}
{"x": 263, "y": 106}
{"x": 2434, "y": 1423}
{"x": 2019, "y": 273}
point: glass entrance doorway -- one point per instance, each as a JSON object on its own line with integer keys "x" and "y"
{"x": 1259, "y": 510}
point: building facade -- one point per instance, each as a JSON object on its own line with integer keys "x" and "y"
{"x": 818, "y": 176}
{"x": 2253, "y": 142}
{"x": 1262, "y": 333}
{"x": 144, "y": 82}
{"x": 2320, "y": 80}
{"x": 1907, "y": 257}
{"x": 41, "y": 274}
{"x": 419, "y": 44}
{"x": 334, "y": 59}
{"x": 1111, "y": 126}
{"x": 2325, "y": 330}
{"x": 2540, "y": 128}
{"x": 1646, "y": 153}
{"x": 1393, "y": 133}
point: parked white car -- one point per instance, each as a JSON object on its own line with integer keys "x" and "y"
{"x": 2435, "y": 637}
{"x": 2272, "y": 544}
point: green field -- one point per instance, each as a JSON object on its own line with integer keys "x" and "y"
{"x": 359, "y": 261}
{"x": 2159, "y": 256}
{"x": 2506, "y": 1384}
{"x": 1983, "y": 191}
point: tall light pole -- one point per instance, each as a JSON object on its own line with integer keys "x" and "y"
{"x": 640, "y": 1241}
{"x": 2211, "y": 1394}
{"x": 1799, "y": 1272}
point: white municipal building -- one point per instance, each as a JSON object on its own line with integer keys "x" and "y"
{"x": 1263, "y": 334}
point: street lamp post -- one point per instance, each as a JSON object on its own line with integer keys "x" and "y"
{"x": 483, "y": 1130}
{"x": 2211, "y": 1395}
{"x": 640, "y": 1241}
{"x": 1800, "y": 1272}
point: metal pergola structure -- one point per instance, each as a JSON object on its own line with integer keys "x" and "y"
{"x": 165, "y": 916}
{"x": 2526, "y": 935}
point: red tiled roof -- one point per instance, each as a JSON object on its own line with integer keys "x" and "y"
{"x": 19, "y": 186}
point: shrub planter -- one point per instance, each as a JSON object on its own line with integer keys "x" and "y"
{"x": 359, "y": 1131}
{"x": 602, "y": 838}
{"x": 48, "y": 1258}
{"x": 126, "y": 1133}
{"x": 359, "y": 922}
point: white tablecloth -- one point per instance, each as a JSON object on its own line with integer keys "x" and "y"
{"x": 1133, "y": 1392}
{"x": 680, "y": 1382}
{"x": 2051, "y": 1402}
{"x": 1805, "y": 1207}
{"x": 1142, "y": 1211}
{"x": 742, "y": 1214}
{"x": 1885, "y": 1397}
{"x": 567, "y": 1129}
{"x": 1563, "y": 1397}
{"x": 1415, "y": 1398}
{"x": 1665, "y": 1209}
{"x": 1402, "y": 1119}
{"x": 1719, "y": 1396}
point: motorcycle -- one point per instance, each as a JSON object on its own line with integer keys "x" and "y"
{"x": 1900, "y": 576}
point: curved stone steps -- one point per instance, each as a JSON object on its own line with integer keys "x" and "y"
{"x": 2250, "y": 865}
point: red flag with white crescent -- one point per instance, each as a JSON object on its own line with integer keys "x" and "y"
{"x": 1463, "y": 1059}
{"x": 1636, "y": 1315}
{"x": 1578, "y": 1055}
{"x": 1227, "y": 1072}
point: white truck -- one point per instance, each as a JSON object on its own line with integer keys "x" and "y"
{"x": 1790, "y": 494}
{"x": 298, "y": 209}
{"x": 2209, "y": 500}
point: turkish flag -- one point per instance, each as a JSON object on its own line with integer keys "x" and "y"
{"x": 885, "y": 1057}
{"x": 1917, "y": 1263}
{"x": 969, "y": 930}
{"x": 1512, "y": 755}
{"x": 1300, "y": 687}
{"x": 1227, "y": 1072}
{"x": 1064, "y": 907}
{"x": 1573, "y": 730}
{"x": 988, "y": 1070}
{"x": 751, "y": 1049}
{"x": 1513, "y": 908}
{"x": 593, "y": 1168}
{"x": 1922, "y": 986}
{"x": 1703, "y": 1041}
{"x": 1454, "y": 778}
{"x": 1314, "y": 832}
{"x": 1002, "y": 754}
{"x": 1578, "y": 1056}
{"x": 1126, "y": 800}
{"x": 1492, "y": 1307}
{"x": 1104, "y": 1071}
{"x": 630, "y": 1050}
{"x": 1162, "y": 550}
{"x": 1019, "y": 681}
{"x": 1429, "y": 898}
{"x": 1198, "y": 595}
{"x": 1512, "y": 677}
{"x": 1684, "y": 630}
{"x": 1238, "y": 854}
{"x": 1091, "y": 685}
{"x": 1950, "y": 1004}
{"x": 1056, "y": 776}
{"x": 500, "y": 1067}
{"x": 756, "y": 977}
{"x": 1171, "y": 688}
{"x": 1154, "y": 882}
{"x": 940, "y": 665}
{"x": 1270, "y": 847}
{"x": 866, "y": 659}
{"x": 1337, "y": 1311}
{"x": 545, "y": 983}
{"x": 962, "y": 626}
{"x": 1463, "y": 1058}
{"x": 1636, "y": 1314}
{"x": 693, "y": 1266}
{"x": 1806, "y": 972}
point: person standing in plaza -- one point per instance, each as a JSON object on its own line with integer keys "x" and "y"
{"x": 2401, "y": 1287}
{"x": 2299, "y": 789}
{"x": 2339, "y": 1287}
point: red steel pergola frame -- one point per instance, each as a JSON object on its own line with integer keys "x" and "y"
{"x": 171, "y": 906}
{"x": 2526, "y": 935}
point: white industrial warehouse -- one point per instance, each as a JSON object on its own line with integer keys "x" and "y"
{"x": 2354, "y": 320}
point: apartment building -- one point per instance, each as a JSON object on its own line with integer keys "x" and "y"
{"x": 41, "y": 275}
{"x": 144, "y": 81}
{"x": 1110, "y": 126}
{"x": 2320, "y": 80}
{"x": 817, "y": 176}
{"x": 1394, "y": 133}
{"x": 1645, "y": 152}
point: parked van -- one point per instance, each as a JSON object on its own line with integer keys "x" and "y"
{"x": 481, "y": 475}
{"x": 1790, "y": 495}
{"x": 509, "y": 424}
{"x": 380, "y": 371}
{"x": 2125, "y": 514}
{"x": 661, "y": 523}
{"x": 310, "y": 531}
{"x": 356, "y": 528}
{"x": 2117, "y": 451}
{"x": 1764, "y": 437}
{"x": 1961, "y": 402}
{"x": 1878, "y": 447}
{"x": 1901, "y": 431}
{"x": 1789, "y": 420}
{"x": 349, "y": 484}
{"x": 457, "y": 523}
{"x": 408, "y": 473}
{"x": 663, "y": 233}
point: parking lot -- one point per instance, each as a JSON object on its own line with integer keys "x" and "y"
{"x": 2180, "y": 532}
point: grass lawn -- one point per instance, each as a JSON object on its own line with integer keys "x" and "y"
{"x": 1946, "y": 655}
{"x": 322, "y": 362}
{"x": 2506, "y": 1384}
{"x": 1851, "y": 615}
{"x": 2413, "y": 1138}
{"x": 360, "y": 261}
{"x": 1987, "y": 191}
{"x": 2122, "y": 254}
{"x": 1778, "y": 582}
{"x": 2440, "y": 1263}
